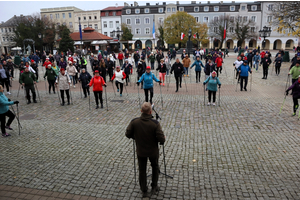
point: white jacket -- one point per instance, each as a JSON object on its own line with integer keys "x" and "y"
{"x": 63, "y": 81}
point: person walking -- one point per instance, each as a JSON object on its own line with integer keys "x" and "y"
{"x": 178, "y": 69}
{"x": 295, "y": 72}
{"x": 110, "y": 67}
{"x": 85, "y": 78}
{"x": 237, "y": 64}
{"x": 97, "y": 82}
{"x": 120, "y": 58}
{"x": 64, "y": 82}
{"x": 186, "y": 64}
{"x": 51, "y": 76}
{"x": 71, "y": 71}
{"x": 162, "y": 68}
{"x": 119, "y": 75}
{"x": 250, "y": 58}
{"x": 243, "y": 70}
{"x": 167, "y": 61}
{"x": 209, "y": 68}
{"x": 5, "y": 112}
{"x": 198, "y": 63}
{"x": 212, "y": 83}
{"x": 147, "y": 133}
{"x": 256, "y": 60}
{"x": 141, "y": 69}
{"x": 219, "y": 62}
{"x": 278, "y": 61}
{"x": 127, "y": 68}
{"x": 28, "y": 80}
{"x": 147, "y": 78}
{"x": 62, "y": 64}
{"x": 103, "y": 69}
{"x": 4, "y": 78}
{"x": 295, "y": 87}
{"x": 266, "y": 61}
{"x": 152, "y": 60}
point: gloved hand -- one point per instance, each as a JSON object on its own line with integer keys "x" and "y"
{"x": 8, "y": 99}
{"x": 171, "y": 73}
{"x": 16, "y": 102}
{"x": 44, "y": 78}
{"x": 287, "y": 93}
{"x": 219, "y": 86}
{"x": 159, "y": 82}
{"x": 105, "y": 85}
{"x": 161, "y": 143}
{"x": 138, "y": 83}
{"x": 203, "y": 83}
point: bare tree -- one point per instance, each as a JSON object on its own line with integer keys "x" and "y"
{"x": 217, "y": 26}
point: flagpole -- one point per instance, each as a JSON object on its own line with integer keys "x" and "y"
{"x": 80, "y": 33}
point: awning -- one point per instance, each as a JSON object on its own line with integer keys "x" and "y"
{"x": 78, "y": 43}
{"x": 113, "y": 42}
{"x": 129, "y": 42}
{"x": 16, "y": 49}
{"x": 99, "y": 42}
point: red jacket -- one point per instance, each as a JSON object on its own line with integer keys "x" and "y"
{"x": 262, "y": 54}
{"x": 97, "y": 82}
{"x": 46, "y": 63}
{"x": 219, "y": 61}
{"x": 120, "y": 56}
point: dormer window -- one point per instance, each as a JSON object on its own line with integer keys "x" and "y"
{"x": 137, "y": 11}
{"x": 128, "y": 11}
{"x": 216, "y": 8}
{"x": 206, "y": 8}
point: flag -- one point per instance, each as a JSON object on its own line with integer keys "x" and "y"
{"x": 80, "y": 32}
{"x": 153, "y": 30}
{"x": 195, "y": 36}
{"x": 182, "y": 36}
{"x": 224, "y": 31}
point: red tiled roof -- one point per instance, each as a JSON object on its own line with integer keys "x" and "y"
{"x": 88, "y": 29}
{"x": 113, "y": 8}
{"x": 89, "y": 36}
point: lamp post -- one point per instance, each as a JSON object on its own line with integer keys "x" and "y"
{"x": 189, "y": 43}
{"x": 265, "y": 32}
{"x": 119, "y": 33}
{"x": 40, "y": 37}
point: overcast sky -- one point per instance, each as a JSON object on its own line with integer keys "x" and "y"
{"x": 11, "y": 8}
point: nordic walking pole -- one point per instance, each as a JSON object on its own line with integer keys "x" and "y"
{"x": 185, "y": 84}
{"x": 204, "y": 93}
{"x": 219, "y": 95}
{"x": 80, "y": 90}
{"x": 58, "y": 94}
{"x": 125, "y": 88}
{"x": 251, "y": 81}
{"x": 89, "y": 101}
{"x": 113, "y": 87}
{"x": 162, "y": 102}
{"x": 18, "y": 90}
{"x": 165, "y": 162}
{"x": 225, "y": 71}
{"x": 134, "y": 161}
{"x": 237, "y": 84}
{"x": 285, "y": 94}
{"x": 45, "y": 86}
{"x": 71, "y": 96}
{"x": 272, "y": 68}
{"x": 17, "y": 116}
{"x": 37, "y": 92}
{"x": 138, "y": 87}
{"x": 106, "y": 98}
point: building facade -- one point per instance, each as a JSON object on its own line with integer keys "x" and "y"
{"x": 111, "y": 20}
{"x": 87, "y": 19}
{"x": 7, "y": 34}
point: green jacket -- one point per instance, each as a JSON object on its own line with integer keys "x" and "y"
{"x": 28, "y": 78}
{"x": 295, "y": 71}
{"x": 50, "y": 73}
{"x": 152, "y": 58}
{"x": 85, "y": 62}
{"x": 56, "y": 70}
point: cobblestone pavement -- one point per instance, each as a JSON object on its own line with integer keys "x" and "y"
{"x": 241, "y": 149}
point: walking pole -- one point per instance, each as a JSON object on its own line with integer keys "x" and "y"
{"x": 225, "y": 71}
{"x": 71, "y": 96}
{"x": 138, "y": 87}
{"x": 37, "y": 92}
{"x": 17, "y": 116}
{"x": 45, "y": 87}
{"x": 58, "y": 94}
{"x": 18, "y": 90}
{"x": 185, "y": 83}
{"x": 80, "y": 92}
{"x": 105, "y": 99}
{"x": 125, "y": 88}
{"x": 251, "y": 81}
{"x": 237, "y": 84}
{"x": 89, "y": 101}
{"x": 204, "y": 93}
{"x": 134, "y": 160}
{"x": 168, "y": 83}
{"x": 165, "y": 163}
{"x": 113, "y": 87}
{"x": 134, "y": 84}
{"x": 162, "y": 102}
{"x": 285, "y": 94}
{"x": 272, "y": 69}
{"x": 219, "y": 95}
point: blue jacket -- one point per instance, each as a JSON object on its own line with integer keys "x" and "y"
{"x": 198, "y": 65}
{"x": 244, "y": 69}
{"x": 4, "y": 103}
{"x": 148, "y": 80}
{"x": 25, "y": 60}
{"x": 256, "y": 58}
{"x": 35, "y": 58}
{"x": 212, "y": 83}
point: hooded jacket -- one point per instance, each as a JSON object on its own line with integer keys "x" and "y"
{"x": 97, "y": 82}
{"x": 198, "y": 64}
{"x": 148, "y": 80}
{"x": 4, "y": 103}
{"x": 212, "y": 83}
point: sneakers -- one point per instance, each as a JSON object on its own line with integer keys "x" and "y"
{"x": 97, "y": 106}
{"x": 29, "y": 102}
{"x": 34, "y": 101}
{"x": 120, "y": 95}
{"x": 176, "y": 91}
{"x": 294, "y": 114}
{"x": 8, "y": 93}
{"x": 208, "y": 104}
{"x": 8, "y": 127}
{"x": 117, "y": 90}
{"x": 214, "y": 104}
{"x": 74, "y": 86}
{"x": 101, "y": 105}
{"x": 70, "y": 85}
{"x": 245, "y": 89}
{"x": 154, "y": 190}
{"x": 5, "y": 135}
{"x": 163, "y": 84}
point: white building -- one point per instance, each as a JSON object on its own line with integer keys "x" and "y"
{"x": 111, "y": 20}
{"x": 87, "y": 19}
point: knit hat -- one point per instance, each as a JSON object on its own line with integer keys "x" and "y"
{"x": 96, "y": 71}
{"x": 118, "y": 67}
{"x": 126, "y": 60}
{"x": 47, "y": 58}
{"x": 49, "y": 65}
{"x": 62, "y": 69}
{"x": 148, "y": 67}
{"x": 214, "y": 72}
{"x": 32, "y": 61}
{"x": 298, "y": 62}
{"x": 245, "y": 61}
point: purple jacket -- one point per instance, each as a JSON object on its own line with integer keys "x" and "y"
{"x": 62, "y": 65}
{"x": 99, "y": 56}
{"x": 296, "y": 89}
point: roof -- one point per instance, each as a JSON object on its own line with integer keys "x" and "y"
{"x": 88, "y": 29}
{"x": 113, "y": 8}
{"x": 11, "y": 21}
{"x": 89, "y": 36}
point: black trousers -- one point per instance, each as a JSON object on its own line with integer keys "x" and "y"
{"x": 110, "y": 73}
{"x": 146, "y": 94}
{"x": 265, "y": 71}
{"x": 121, "y": 86}
{"x": 214, "y": 96}
{"x": 86, "y": 90}
{"x": 51, "y": 84}
{"x": 293, "y": 81}
{"x": 219, "y": 69}
{"x": 295, "y": 100}
{"x": 98, "y": 95}
{"x": 142, "y": 171}
{"x": 277, "y": 69}
{"x": 121, "y": 62}
{"x": 62, "y": 95}
{"x": 242, "y": 80}
{"x": 37, "y": 73}
{"x": 237, "y": 75}
{"x": 201, "y": 56}
{"x": 127, "y": 77}
{"x": 30, "y": 88}
{"x": 178, "y": 81}
{"x": 5, "y": 82}
{"x": 198, "y": 76}
{"x": 10, "y": 116}
{"x": 250, "y": 63}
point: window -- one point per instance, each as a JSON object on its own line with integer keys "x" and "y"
{"x": 252, "y": 29}
{"x": 216, "y": 19}
{"x": 128, "y": 11}
{"x": 147, "y": 31}
{"x": 51, "y": 16}
{"x": 105, "y": 33}
{"x": 78, "y": 18}
{"x": 232, "y": 8}
{"x": 84, "y": 18}
{"x": 243, "y": 8}
{"x": 70, "y": 15}
{"x": 216, "y": 8}
{"x": 128, "y": 21}
{"x": 5, "y": 30}
{"x": 106, "y": 13}
{"x": 2, "y": 30}
{"x": 111, "y": 24}
{"x": 205, "y": 19}
{"x": 3, "y": 38}
{"x": 240, "y": 19}
{"x": 9, "y": 29}
{"x": 270, "y": 7}
{"x": 253, "y": 18}
{"x": 96, "y": 26}
{"x": 215, "y": 29}
{"x": 90, "y": 17}
{"x": 91, "y": 25}
{"x": 231, "y": 18}
{"x": 64, "y": 16}
{"x": 137, "y": 11}
{"x": 181, "y": 8}
{"x": 137, "y": 21}
{"x": 114, "y": 13}
{"x": 168, "y": 10}
{"x": 111, "y": 34}
{"x": 85, "y": 26}
{"x": 196, "y": 9}
{"x": 70, "y": 24}
{"x": 245, "y": 18}
{"x": 197, "y": 19}
{"x": 95, "y": 17}
{"x": 105, "y": 24}
{"x": 206, "y": 8}
{"x": 160, "y": 10}
{"x": 230, "y": 29}
{"x": 173, "y": 9}
{"x": 160, "y": 20}
{"x": 137, "y": 31}
{"x": 45, "y": 16}
{"x": 117, "y": 24}
{"x": 269, "y": 19}
{"x": 253, "y": 8}
{"x": 64, "y": 24}
{"x": 147, "y": 20}
{"x": 288, "y": 43}
{"x": 146, "y": 10}
{"x": 57, "y": 16}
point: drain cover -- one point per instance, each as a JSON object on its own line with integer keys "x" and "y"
{"x": 27, "y": 117}
{"x": 118, "y": 101}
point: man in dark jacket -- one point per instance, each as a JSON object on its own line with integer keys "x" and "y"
{"x": 249, "y": 58}
{"x": 95, "y": 62}
{"x": 28, "y": 79}
{"x": 110, "y": 67}
{"x": 127, "y": 68}
{"x": 266, "y": 61}
{"x": 141, "y": 69}
{"x": 51, "y": 76}
{"x": 296, "y": 94}
{"x": 147, "y": 133}
{"x": 85, "y": 78}
{"x": 294, "y": 61}
{"x": 178, "y": 69}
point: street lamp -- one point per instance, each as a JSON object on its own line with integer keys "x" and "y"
{"x": 188, "y": 46}
{"x": 40, "y": 37}
{"x": 266, "y": 32}
{"x": 119, "y": 33}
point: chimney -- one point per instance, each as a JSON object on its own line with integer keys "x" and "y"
{"x": 164, "y": 3}
{"x": 233, "y": 1}
{"x": 131, "y": 5}
{"x": 193, "y": 2}
{"x": 221, "y": 2}
{"x": 208, "y": 2}
{"x": 177, "y": 2}
{"x": 147, "y": 4}
{"x": 136, "y": 4}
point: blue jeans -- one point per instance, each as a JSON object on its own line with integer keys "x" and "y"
{"x": 72, "y": 78}
{"x": 186, "y": 70}
{"x": 136, "y": 64}
{"x": 168, "y": 71}
{"x": 152, "y": 65}
{"x": 256, "y": 65}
